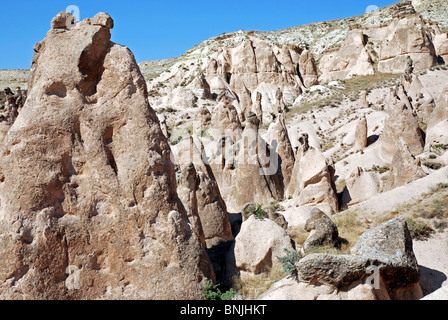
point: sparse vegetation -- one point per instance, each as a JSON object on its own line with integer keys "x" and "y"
{"x": 419, "y": 229}
{"x": 258, "y": 212}
{"x": 289, "y": 262}
{"x": 213, "y": 292}
{"x": 379, "y": 169}
{"x": 350, "y": 227}
{"x": 433, "y": 165}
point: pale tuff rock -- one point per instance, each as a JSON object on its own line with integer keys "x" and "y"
{"x": 278, "y": 138}
{"x": 201, "y": 194}
{"x": 437, "y": 134}
{"x": 187, "y": 186}
{"x": 438, "y": 122}
{"x": 246, "y": 169}
{"x": 308, "y": 69}
{"x": 416, "y": 95}
{"x": 201, "y": 88}
{"x": 360, "y": 186}
{"x": 257, "y": 107}
{"x": 62, "y": 20}
{"x": 87, "y": 182}
{"x": 225, "y": 121}
{"x": 102, "y": 19}
{"x": 364, "y": 103}
{"x": 407, "y": 36}
{"x": 257, "y": 247}
{"x": 244, "y": 103}
{"x": 400, "y": 123}
{"x": 350, "y": 60}
{"x": 361, "y": 133}
{"x": 405, "y": 167}
{"x": 312, "y": 182}
{"x": 441, "y": 46}
{"x": 251, "y": 208}
{"x": 290, "y": 289}
{"x": 204, "y": 117}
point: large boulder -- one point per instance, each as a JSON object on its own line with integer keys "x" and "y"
{"x": 381, "y": 266}
{"x": 323, "y": 231}
{"x": 390, "y": 246}
{"x": 89, "y": 208}
{"x": 257, "y": 247}
{"x": 312, "y": 181}
{"x": 360, "y": 186}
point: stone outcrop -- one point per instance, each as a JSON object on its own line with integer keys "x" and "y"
{"x": 405, "y": 167}
{"x": 308, "y": 69}
{"x": 390, "y": 245}
{"x": 201, "y": 194}
{"x": 409, "y": 36}
{"x": 400, "y": 123}
{"x": 360, "y": 186}
{"x": 438, "y": 122}
{"x": 323, "y": 231}
{"x": 278, "y": 138}
{"x": 361, "y": 133}
{"x": 257, "y": 246}
{"x": 350, "y": 60}
{"x": 247, "y": 169}
{"x": 312, "y": 181}
{"x": 381, "y": 266}
{"x": 89, "y": 208}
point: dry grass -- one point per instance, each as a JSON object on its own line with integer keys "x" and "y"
{"x": 252, "y": 286}
{"x": 350, "y": 227}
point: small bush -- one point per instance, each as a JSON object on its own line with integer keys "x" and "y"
{"x": 258, "y": 212}
{"x": 212, "y": 292}
{"x": 433, "y": 165}
{"x": 289, "y": 262}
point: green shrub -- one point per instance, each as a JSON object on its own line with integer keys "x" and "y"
{"x": 258, "y": 212}
{"x": 433, "y": 165}
{"x": 289, "y": 262}
{"x": 212, "y": 292}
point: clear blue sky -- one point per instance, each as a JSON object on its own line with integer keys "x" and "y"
{"x": 163, "y": 29}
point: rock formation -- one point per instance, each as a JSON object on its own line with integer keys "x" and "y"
{"x": 381, "y": 266}
{"x": 323, "y": 231}
{"x": 405, "y": 167}
{"x": 87, "y": 182}
{"x": 278, "y": 135}
{"x": 360, "y": 186}
{"x": 312, "y": 182}
{"x": 350, "y": 60}
{"x": 257, "y": 247}
{"x": 202, "y": 192}
{"x": 400, "y": 123}
{"x": 406, "y": 36}
{"x": 361, "y": 133}
{"x": 308, "y": 69}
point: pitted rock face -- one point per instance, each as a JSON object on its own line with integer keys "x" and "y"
{"x": 87, "y": 182}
